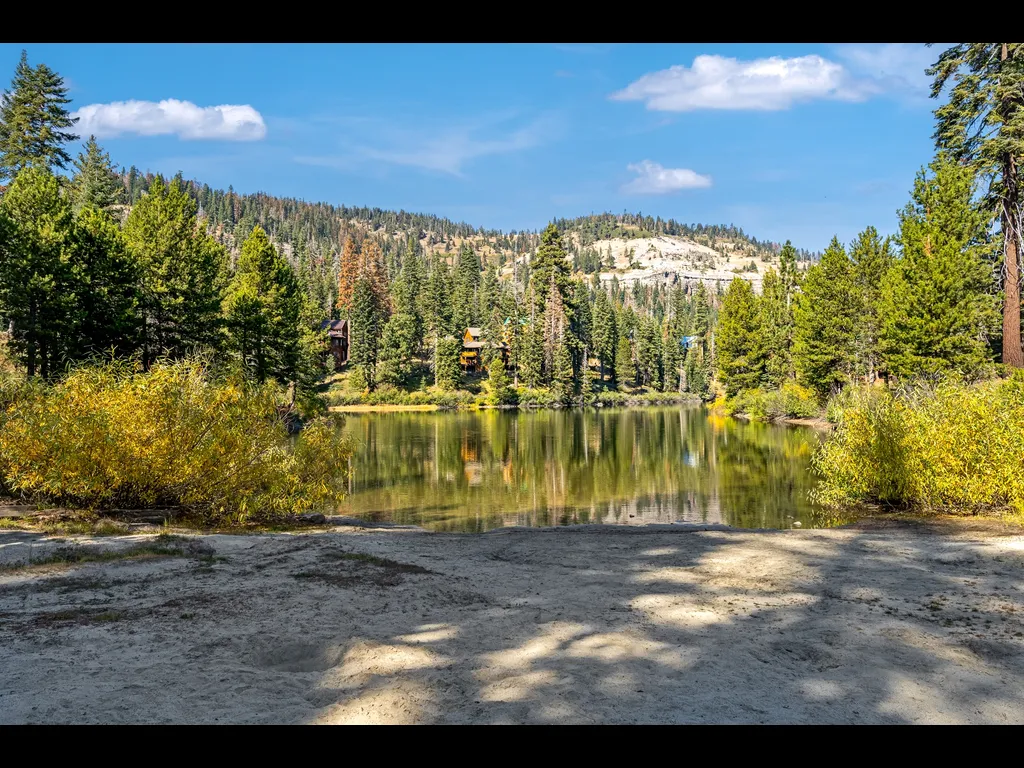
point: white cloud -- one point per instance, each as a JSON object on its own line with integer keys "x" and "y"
{"x": 231, "y": 122}
{"x": 776, "y": 83}
{"x": 653, "y": 179}
{"x": 717, "y": 82}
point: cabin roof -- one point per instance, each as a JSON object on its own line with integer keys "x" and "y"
{"x": 333, "y": 325}
{"x": 475, "y": 331}
{"x": 474, "y": 344}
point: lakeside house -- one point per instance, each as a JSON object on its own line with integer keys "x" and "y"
{"x": 338, "y": 335}
{"x": 473, "y": 345}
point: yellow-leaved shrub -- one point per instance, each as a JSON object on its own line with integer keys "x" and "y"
{"x": 114, "y": 437}
{"x": 955, "y": 447}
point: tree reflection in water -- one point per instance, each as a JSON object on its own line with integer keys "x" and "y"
{"x": 475, "y": 470}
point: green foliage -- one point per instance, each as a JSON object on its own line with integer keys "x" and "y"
{"x": 871, "y": 261}
{"x": 96, "y": 183}
{"x": 397, "y": 344}
{"x": 937, "y": 300}
{"x": 369, "y": 315}
{"x": 625, "y": 369}
{"x": 741, "y": 352}
{"x": 547, "y": 264}
{"x": 955, "y": 447}
{"x": 981, "y": 126}
{"x": 447, "y": 375}
{"x": 776, "y": 328}
{"x": 113, "y": 437}
{"x": 38, "y": 291}
{"x": 106, "y": 279}
{"x": 184, "y": 273}
{"x": 825, "y": 323}
{"x": 498, "y": 390}
{"x": 261, "y": 310}
{"x": 33, "y": 119}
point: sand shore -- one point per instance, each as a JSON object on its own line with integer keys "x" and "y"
{"x": 891, "y": 624}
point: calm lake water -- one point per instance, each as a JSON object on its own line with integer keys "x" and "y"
{"x": 472, "y": 471}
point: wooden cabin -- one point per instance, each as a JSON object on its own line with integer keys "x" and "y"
{"x": 338, "y": 334}
{"x": 473, "y": 345}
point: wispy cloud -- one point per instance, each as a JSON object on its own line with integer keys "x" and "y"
{"x": 654, "y": 179}
{"x": 230, "y": 122}
{"x": 717, "y": 82}
{"x": 895, "y": 68}
{"x": 445, "y": 150}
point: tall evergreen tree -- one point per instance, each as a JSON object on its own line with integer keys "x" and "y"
{"x": 937, "y": 299}
{"x": 604, "y": 332}
{"x": 262, "y": 308}
{"x": 368, "y": 316}
{"x": 789, "y": 272}
{"x": 825, "y": 323}
{"x": 106, "y": 276}
{"x": 38, "y": 291}
{"x": 871, "y": 260}
{"x": 982, "y": 125}
{"x": 776, "y": 328}
{"x": 34, "y": 120}
{"x": 550, "y": 262}
{"x": 96, "y": 182}
{"x": 184, "y": 273}
{"x": 625, "y": 369}
{"x": 741, "y": 358}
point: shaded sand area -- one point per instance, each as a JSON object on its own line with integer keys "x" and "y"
{"x": 881, "y": 623}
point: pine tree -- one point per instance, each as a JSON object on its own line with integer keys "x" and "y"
{"x": 937, "y": 300}
{"x": 555, "y": 330}
{"x": 38, "y": 292}
{"x": 741, "y": 353}
{"x": 549, "y": 262}
{"x": 825, "y": 323}
{"x": 96, "y": 182}
{"x": 789, "y": 272}
{"x": 368, "y": 317}
{"x": 562, "y": 373}
{"x": 982, "y": 125}
{"x": 184, "y": 273}
{"x": 776, "y": 326}
{"x": 106, "y": 277}
{"x": 532, "y": 362}
{"x": 581, "y": 328}
{"x": 871, "y": 260}
{"x": 262, "y": 308}
{"x": 397, "y": 344}
{"x": 625, "y": 370}
{"x": 447, "y": 375}
{"x": 604, "y": 332}
{"x": 498, "y": 390}
{"x": 33, "y": 120}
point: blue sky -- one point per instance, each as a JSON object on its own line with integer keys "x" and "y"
{"x": 787, "y": 141}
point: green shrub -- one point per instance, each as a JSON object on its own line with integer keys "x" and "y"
{"x": 111, "y": 436}
{"x": 949, "y": 447}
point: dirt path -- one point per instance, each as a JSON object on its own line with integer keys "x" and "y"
{"x": 590, "y": 624}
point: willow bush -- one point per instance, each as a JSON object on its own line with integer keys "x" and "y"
{"x": 948, "y": 447}
{"x": 111, "y": 436}
{"x": 788, "y": 401}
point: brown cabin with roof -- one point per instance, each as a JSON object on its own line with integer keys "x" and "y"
{"x": 338, "y": 335}
{"x": 473, "y": 345}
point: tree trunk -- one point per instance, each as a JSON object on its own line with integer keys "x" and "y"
{"x": 1013, "y": 356}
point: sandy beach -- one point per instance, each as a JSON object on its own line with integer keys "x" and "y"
{"x": 880, "y": 623}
